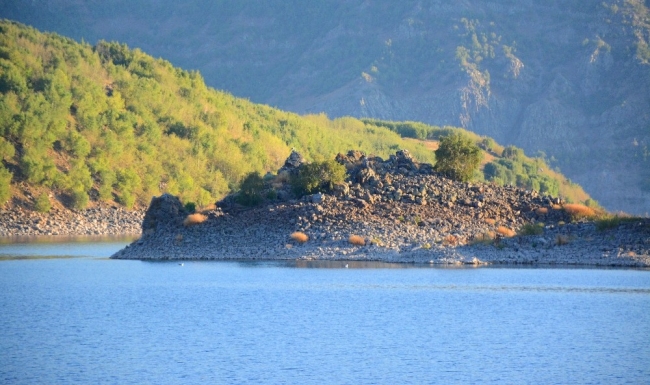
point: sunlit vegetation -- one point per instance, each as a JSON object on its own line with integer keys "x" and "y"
{"x": 318, "y": 177}
{"x": 108, "y": 123}
{"x": 115, "y": 124}
{"x": 500, "y": 165}
{"x": 458, "y": 157}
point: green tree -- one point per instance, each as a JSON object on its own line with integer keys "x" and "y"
{"x": 5, "y": 183}
{"x": 457, "y": 157}
{"x": 42, "y": 203}
{"x": 318, "y": 177}
{"x": 250, "y": 192}
{"x": 514, "y": 153}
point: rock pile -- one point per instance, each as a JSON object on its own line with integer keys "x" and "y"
{"x": 403, "y": 211}
{"x": 101, "y": 220}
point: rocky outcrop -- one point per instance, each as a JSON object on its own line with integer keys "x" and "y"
{"x": 164, "y": 211}
{"x": 404, "y": 212}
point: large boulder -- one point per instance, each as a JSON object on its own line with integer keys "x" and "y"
{"x": 293, "y": 162}
{"x": 164, "y": 211}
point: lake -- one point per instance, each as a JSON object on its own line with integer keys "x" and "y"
{"x": 71, "y": 315}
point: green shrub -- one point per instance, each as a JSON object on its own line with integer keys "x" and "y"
{"x": 514, "y": 153}
{"x": 190, "y": 207}
{"x": 458, "y": 157}
{"x": 532, "y": 229}
{"x": 318, "y": 177}
{"x": 5, "y": 185}
{"x": 127, "y": 199}
{"x": 79, "y": 199}
{"x": 251, "y": 189}
{"x": 42, "y": 203}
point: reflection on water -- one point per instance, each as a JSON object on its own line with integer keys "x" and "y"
{"x": 42, "y": 247}
{"x": 38, "y": 239}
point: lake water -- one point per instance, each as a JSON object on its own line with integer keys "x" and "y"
{"x": 79, "y": 317}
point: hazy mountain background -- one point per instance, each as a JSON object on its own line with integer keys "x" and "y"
{"x": 570, "y": 78}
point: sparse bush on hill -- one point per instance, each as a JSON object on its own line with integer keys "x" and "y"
{"x": 250, "y": 191}
{"x": 318, "y": 177}
{"x": 531, "y": 229}
{"x": 190, "y": 207}
{"x": 458, "y": 157}
{"x": 5, "y": 186}
{"x": 42, "y": 203}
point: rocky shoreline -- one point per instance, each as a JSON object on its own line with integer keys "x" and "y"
{"x": 399, "y": 211}
{"x": 100, "y": 220}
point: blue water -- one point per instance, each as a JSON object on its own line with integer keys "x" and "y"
{"x": 92, "y": 320}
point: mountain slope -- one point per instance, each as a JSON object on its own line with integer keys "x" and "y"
{"x": 569, "y": 78}
{"x": 104, "y": 123}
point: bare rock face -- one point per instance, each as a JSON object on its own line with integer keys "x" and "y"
{"x": 293, "y": 162}
{"x": 164, "y": 211}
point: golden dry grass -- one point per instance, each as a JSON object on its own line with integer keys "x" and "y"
{"x": 556, "y": 207}
{"x": 490, "y": 221}
{"x": 579, "y": 211}
{"x": 485, "y": 238}
{"x": 357, "y": 240}
{"x": 505, "y": 232}
{"x": 541, "y": 211}
{"x": 210, "y": 207}
{"x": 299, "y": 237}
{"x": 450, "y": 240}
{"x": 194, "y": 219}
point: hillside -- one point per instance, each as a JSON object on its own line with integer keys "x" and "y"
{"x": 82, "y": 124}
{"x": 569, "y": 78}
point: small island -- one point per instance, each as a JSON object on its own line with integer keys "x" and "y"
{"x": 365, "y": 208}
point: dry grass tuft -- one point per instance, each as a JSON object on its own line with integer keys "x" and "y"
{"x": 579, "y": 211}
{"x": 208, "y": 208}
{"x": 505, "y": 232}
{"x": 194, "y": 219}
{"x": 541, "y": 211}
{"x": 299, "y": 237}
{"x": 490, "y": 221}
{"x": 450, "y": 240}
{"x": 486, "y": 238}
{"x": 556, "y": 207}
{"x": 357, "y": 240}
{"x": 561, "y": 240}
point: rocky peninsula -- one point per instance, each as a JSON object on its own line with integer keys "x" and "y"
{"x": 395, "y": 210}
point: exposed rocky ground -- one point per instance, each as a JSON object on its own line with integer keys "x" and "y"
{"x": 403, "y": 211}
{"x": 101, "y": 220}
